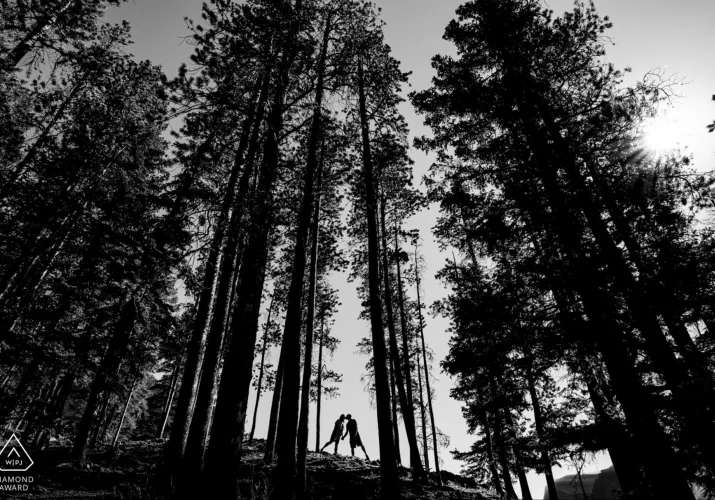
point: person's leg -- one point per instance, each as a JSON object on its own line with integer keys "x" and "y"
{"x": 336, "y": 447}
{"x": 365, "y": 452}
{"x": 352, "y": 450}
{"x": 325, "y": 446}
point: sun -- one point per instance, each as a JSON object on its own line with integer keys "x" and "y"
{"x": 661, "y": 134}
{"x": 678, "y": 127}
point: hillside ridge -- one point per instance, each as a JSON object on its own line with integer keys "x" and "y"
{"x": 134, "y": 472}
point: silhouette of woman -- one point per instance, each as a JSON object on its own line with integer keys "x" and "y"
{"x": 335, "y": 436}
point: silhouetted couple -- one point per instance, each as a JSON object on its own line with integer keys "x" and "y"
{"x": 350, "y": 428}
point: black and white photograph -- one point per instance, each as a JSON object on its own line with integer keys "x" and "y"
{"x": 357, "y": 250}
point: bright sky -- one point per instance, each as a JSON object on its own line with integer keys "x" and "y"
{"x": 647, "y": 34}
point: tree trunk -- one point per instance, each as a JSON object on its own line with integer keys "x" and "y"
{"x": 33, "y": 273}
{"x": 698, "y": 416}
{"x": 259, "y": 389}
{"x": 107, "y": 369}
{"x": 653, "y": 447}
{"x": 308, "y": 361}
{"x": 188, "y": 179}
{"x": 484, "y": 422}
{"x": 53, "y": 413}
{"x": 197, "y": 347}
{"x": 288, "y": 418}
{"x": 208, "y": 383}
{"x": 35, "y": 411}
{"x": 229, "y": 419}
{"x": 420, "y": 323}
{"x": 620, "y": 445}
{"x": 21, "y": 167}
{"x": 28, "y": 377}
{"x": 388, "y": 466}
{"x": 27, "y": 272}
{"x": 124, "y": 414}
{"x": 169, "y": 398}
{"x": 13, "y": 58}
{"x": 8, "y": 375}
{"x": 269, "y": 452}
{"x": 423, "y": 415}
{"x": 218, "y": 331}
{"x": 303, "y": 422}
{"x": 407, "y": 367}
{"x": 710, "y": 327}
{"x": 393, "y": 398}
{"x": 540, "y": 434}
{"x": 661, "y": 465}
{"x": 32, "y": 284}
{"x": 100, "y": 421}
{"x": 319, "y": 382}
{"x": 523, "y": 483}
{"x": 675, "y": 326}
{"x": 700, "y": 377}
{"x": 408, "y": 413}
{"x": 503, "y": 457}
{"x": 226, "y": 440}
{"x": 580, "y": 482}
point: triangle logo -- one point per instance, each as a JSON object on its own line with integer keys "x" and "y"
{"x": 14, "y": 457}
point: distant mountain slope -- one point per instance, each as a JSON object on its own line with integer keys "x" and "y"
{"x": 601, "y": 486}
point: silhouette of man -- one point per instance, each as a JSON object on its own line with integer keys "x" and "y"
{"x": 351, "y": 428}
{"x": 335, "y": 436}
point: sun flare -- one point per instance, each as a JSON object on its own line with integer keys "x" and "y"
{"x": 665, "y": 132}
{"x": 661, "y": 134}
